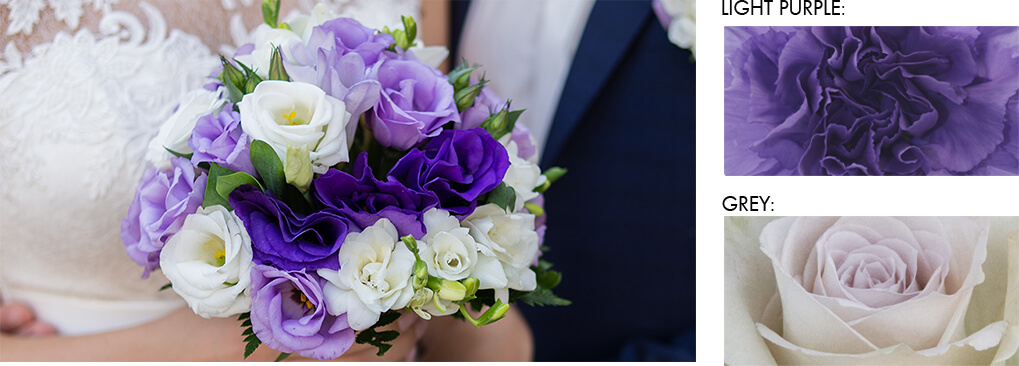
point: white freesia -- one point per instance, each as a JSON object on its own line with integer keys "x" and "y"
{"x": 374, "y": 276}
{"x": 208, "y": 262}
{"x": 298, "y": 115}
{"x": 523, "y": 175}
{"x": 683, "y": 26}
{"x": 175, "y": 132}
{"x": 507, "y": 246}
{"x": 448, "y": 250}
{"x": 841, "y": 291}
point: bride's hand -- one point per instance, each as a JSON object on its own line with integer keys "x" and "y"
{"x": 18, "y": 319}
{"x": 180, "y": 336}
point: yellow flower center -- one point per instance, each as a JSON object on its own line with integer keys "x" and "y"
{"x": 292, "y": 118}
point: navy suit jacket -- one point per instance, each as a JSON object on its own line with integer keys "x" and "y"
{"x": 621, "y": 221}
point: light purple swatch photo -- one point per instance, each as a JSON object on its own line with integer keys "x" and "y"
{"x": 871, "y": 100}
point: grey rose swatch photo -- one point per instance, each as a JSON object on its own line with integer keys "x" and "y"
{"x": 872, "y": 290}
{"x": 871, "y": 101}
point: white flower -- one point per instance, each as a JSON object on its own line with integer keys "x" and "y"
{"x": 209, "y": 263}
{"x": 869, "y": 290}
{"x": 683, "y": 27}
{"x": 374, "y": 276}
{"x": 430, "y": 55}
{"x": 298, "y": 114}
{"x": 447, "y": 249}
{"x": 175, "y": 132}
{"x": 265, "y": 39}
{"x": 507, "y": 245}
{"x": 523, "y": 175}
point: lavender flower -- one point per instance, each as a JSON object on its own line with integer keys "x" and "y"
{"x": 485, "y": 104}
{"x": 871, "y": 101}
{"x": 416, "y": 101}
{"x": 288, "y": 314}
{"x": 218, "y": 138}
{"x": 161, "y": 203}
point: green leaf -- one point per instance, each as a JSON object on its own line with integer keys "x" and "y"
{"x": 179, "y": 155}
{"x": 410, "y": 27}
{"x": 251, "y": 340}
{"x": 228, "y": 183}
{"x": 503, "y": 196}
{"x": 246, "y": 323}
{"x": 271, "y": 12}
{"x": 276, "y": 69}
{"x": 542, "y": 297}
{"x": 212, "y": 196}
{"x": 378, "y": 339}
{"x": 388, "y": 318}
{"x": 268, "y": 166}
{"x": 502, "y": 122}
{"x": 166, "y": 286}
{"x": 460, "y": 77}
{"x": 551, "y": 175}
{"x": 251, "y": 347}
{"x": 281, "y": 357}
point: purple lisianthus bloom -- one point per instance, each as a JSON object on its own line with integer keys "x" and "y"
{"x": 365, "y": 199}
{"x": 458, "y": 166}
{"x": 485, "y": 104}
{"x": 416, "y": 100}
{"x": 218, "y": 138}
{"x": 288, "y": 314}
{"x": 288, "y": 240}
{"x": 161, "y": 203}
{"x": 871, "y": 101}
{"x": 342, "y": 57}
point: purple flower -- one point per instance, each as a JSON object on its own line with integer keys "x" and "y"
{"x": 416, "y": 101}
{"x": 218, "y": 138}
{"x": 288, "y": 240}
{"x": 342, "y": 57}
{"x": 365, "y": 199}
{"x": 288, "y": 314}
{"x": 458, "y": 166}
{"x": 871, "y": 101}
{"x": 161, "y": 202}
{"x": 485, "y": 104}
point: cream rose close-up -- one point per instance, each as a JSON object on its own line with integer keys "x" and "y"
{"x": 871, "y": 290}
{"x": 208, "y": 262}
{"x": 294, "y": 114}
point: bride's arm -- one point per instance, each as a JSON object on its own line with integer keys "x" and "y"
{"x": 180, "y": 336}
{"x": 452, "y": 340}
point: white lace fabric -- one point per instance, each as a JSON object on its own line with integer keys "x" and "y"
{"x": 76, "y": 114}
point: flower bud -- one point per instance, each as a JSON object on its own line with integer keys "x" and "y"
{"x": 452, "y": 291}
{"x": 297, "y": 167}
{"x": 471, "y": 284}
{"x": 494, "y": 313}
{"x": 420, "y": 276}
{"x": 460, "y": 77}
{"x": 421, "y": 297}
{"x": 465, "y": 97}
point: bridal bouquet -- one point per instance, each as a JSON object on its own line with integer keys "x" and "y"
{"x": 330, "y": 178}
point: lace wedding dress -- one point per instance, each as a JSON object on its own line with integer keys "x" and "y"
{"x": 77, "y": 111}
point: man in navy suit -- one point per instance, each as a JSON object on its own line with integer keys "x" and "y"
{"x": 621, "y": 222}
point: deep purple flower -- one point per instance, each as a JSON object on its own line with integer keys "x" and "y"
{"x": 458, "y": 166}
{"x": 416, "y": 100}
{"x": 871, "y": 101}
{"x": 288, "y": 240}
{"x": 485, "y": 104}
{"x": 288, "y": 314}
{"x": 218, "y": 138}
{"x": 161, "y": 202}
{"x": 365, "y": 199}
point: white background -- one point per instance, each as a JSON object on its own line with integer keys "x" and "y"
{"x": 866, "y": 196}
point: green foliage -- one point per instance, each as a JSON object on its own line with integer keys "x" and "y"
{"x": 503, "y": 196}
{"x": 179, "y": 155}
{"x": 269, "y": 166}
{"x": 460, "y": 77}
{"x": 276, "y": 69}
{"x": 502, "y": 122}
{"x": 228, "y": 183}
{"x": 237, "y": 81}
{"x": 271, "y": 12}
{"x": 212, "y": 196}
{"x": 281, "y": 357}
{"x": 542, "y": 295}
{"x": 404, "y": 37}
{"x": 251, "y": 340}
{"x": 551, "y": 175}
{"x": 166, "y": 286}
{"x": 380, "y": 340}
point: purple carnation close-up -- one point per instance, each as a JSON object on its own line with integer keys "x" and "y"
{"x": 218, "y": 138}
{"x": 416, "y": 101}
{"x": 458, "y": 166}
{"x": 288, "y": 314}
{"x": 365, "y": 199}
{"x": 871, "y": 101}
{"x": 288, "y": 240}
{"x": 162, "y": 201}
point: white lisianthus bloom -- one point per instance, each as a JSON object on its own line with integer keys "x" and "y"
{"x": 523, "y": 175}
{"x": 870, "y": 290}
{"x": 374, "y": 276}
{"x": 175, "y": 132}
{"x": 507, "y": 245}
{"x": 208, "y": 262}
{"x": 448, "y": 250}
{"x": 294, "y": 114}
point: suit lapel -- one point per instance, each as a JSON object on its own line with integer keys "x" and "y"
{"x": 610, "y": 29}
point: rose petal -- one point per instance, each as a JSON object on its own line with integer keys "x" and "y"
{"x": 749, "y": 284}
